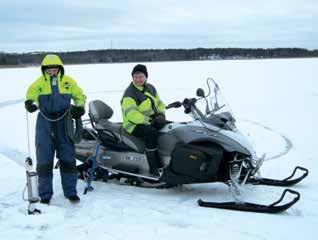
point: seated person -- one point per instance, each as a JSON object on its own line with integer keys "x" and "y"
{"x": 144, "y": 114}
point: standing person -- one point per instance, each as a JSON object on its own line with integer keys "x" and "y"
{"x": 51, "y": 93}
{"x": 144, "y": 114}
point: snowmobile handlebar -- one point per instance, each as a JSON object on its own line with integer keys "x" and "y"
{"x": 187, "y": 104}
{"x": 176, "y": 104}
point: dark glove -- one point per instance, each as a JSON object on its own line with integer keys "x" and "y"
{"x": 77, "y": 111}
{"x": 30, "y": 106}
{"x": 158, "y": 121}
{"x": 188, "y": 104}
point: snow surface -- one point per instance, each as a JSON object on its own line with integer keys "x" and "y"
{"x": 275, "y": 102}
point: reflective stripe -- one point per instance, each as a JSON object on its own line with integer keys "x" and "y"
{"x": 161, "y": 105}
{"x": 129, "y": 109}
{"x": 146, "y": 120}
{"x": 149, "y": 95}
{"x": 129, "y": 126}
{"x": 148, "y": 112}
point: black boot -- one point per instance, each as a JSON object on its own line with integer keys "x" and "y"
{"x": 74, "y": 199}
{"x": 153, "y": 161}
{"x": 45, "y": 201}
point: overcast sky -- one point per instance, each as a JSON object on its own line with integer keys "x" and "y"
{"x": 69, "y": 25}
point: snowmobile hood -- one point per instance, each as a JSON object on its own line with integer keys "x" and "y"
{"x": 52, "y": 60}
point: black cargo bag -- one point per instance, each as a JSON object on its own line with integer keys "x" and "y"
{"x": 201, "y": 163}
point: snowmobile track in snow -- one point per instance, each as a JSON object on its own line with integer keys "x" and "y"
{"x": 13, "y": 154}
{"x": 11, "y": 102}
{"x": 288, "y": 142}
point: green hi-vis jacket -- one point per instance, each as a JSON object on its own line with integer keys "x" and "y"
{"x": 54, "y": 95}
{"x": 139, "y": 104}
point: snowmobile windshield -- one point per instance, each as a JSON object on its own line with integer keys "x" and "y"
{"x": 213, "y": 108}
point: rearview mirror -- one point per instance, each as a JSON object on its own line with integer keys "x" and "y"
{"x": 200, "y": 92}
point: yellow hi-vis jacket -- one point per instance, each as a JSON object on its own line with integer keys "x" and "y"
{"x": 54, "y": 96}
{"x": 139, "y": 104}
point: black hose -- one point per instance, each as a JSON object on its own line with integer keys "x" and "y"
{"x": 74, "y": 133}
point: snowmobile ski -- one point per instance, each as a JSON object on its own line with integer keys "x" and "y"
{"x": 254, "y": 207}
{"x": 287, "y": 182}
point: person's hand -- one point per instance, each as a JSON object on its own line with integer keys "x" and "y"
{"x": 30, "y": 106}
{"x": 77, "y": 111}
{"x": 159, "y": 121}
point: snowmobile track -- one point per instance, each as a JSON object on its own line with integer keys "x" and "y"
{"x": 288, "y": 142}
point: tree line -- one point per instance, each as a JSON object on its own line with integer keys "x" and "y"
{"x": 152, "y": 55}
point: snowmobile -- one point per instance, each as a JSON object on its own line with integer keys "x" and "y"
{"x": 210, "y": 148}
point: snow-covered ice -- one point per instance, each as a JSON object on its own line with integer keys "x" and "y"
{"x": 275, "y": 103}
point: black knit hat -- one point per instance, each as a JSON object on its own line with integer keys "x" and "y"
{"x": 140, "y": 68}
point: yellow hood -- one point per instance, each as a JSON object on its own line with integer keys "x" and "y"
{"x": 52, "y": 60}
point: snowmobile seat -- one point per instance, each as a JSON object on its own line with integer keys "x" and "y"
{"x": 100, "y": 113}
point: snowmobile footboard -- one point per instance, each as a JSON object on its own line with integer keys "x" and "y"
{"x": 287, "y": 182}
{"x": 254, "y": 207}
